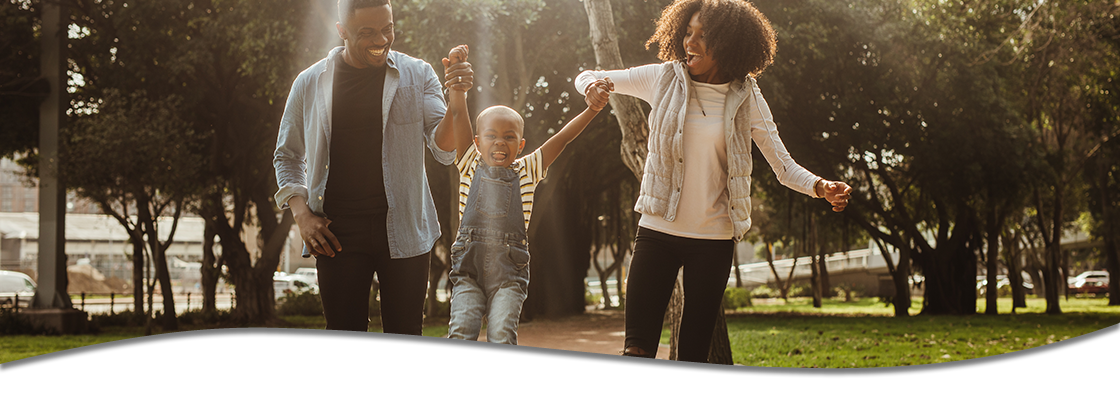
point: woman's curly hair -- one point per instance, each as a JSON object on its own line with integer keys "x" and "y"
{"x": 739, "y": 36}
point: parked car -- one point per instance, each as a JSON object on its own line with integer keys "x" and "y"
{"x": 311, "y": 274}
{"x": 1003, "y": 281}
{"x": 1089, "y": 282}
{"x": 283, "y": 284}
{"x": 16, "y": 284}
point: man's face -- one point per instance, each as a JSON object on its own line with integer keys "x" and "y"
{"x": 368, "y": 34}
{"x": 499, "y": 139}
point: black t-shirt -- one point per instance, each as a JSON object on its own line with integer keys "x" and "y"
{"x": 355, "y": 180}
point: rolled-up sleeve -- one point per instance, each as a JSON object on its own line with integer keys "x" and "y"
{"x": 434, "y": 109}
{"x": 289, "y": 160}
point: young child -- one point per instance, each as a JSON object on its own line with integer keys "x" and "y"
{"x": 490, "y": 256}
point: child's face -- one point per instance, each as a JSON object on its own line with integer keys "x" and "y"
{"x": 499, "y": 140}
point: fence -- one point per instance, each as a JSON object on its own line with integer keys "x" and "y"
{"x": 80, "y": 302}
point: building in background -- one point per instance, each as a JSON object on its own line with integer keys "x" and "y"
{"x": 97, "y": 242}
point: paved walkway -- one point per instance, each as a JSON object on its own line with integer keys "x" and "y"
{"x": 598, "y": 331}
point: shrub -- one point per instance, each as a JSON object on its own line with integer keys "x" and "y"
{"x": 443, "y": 309}
{"x": 800, "y": 291}
{"x": 592, "y": 299}
{"x": 735, "y": 298}
{"x": 199, "y": 317}
{"x": 12, "y": 323}
{"x": 764, "y": 292}
{"x": 303, "y": 303}
{"x": 124, "y": 318}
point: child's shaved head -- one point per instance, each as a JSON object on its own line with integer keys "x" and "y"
{"x": 500, "y": 112}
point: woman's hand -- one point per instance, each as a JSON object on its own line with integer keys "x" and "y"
{"x": 837, "y": 193}
{"x": 457, "y": 72}
{"x": 598, "y": 94}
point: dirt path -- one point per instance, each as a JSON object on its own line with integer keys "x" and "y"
{"x": 599, "y": 331}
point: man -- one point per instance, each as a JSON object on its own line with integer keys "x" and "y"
{"x": 349, "y": 162}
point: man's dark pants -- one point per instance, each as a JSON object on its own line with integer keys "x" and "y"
{"x": 345, "y": 279}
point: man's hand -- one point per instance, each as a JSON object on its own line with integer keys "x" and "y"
{"x": 837, "y": 193}
{"x": 457, "y": 72}
{"x": 313, "y": 229}
{"x": 598, "y": 94}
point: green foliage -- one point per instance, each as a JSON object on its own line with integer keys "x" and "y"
{"x": 764, "y": 292}
{"x": 302, "y": 303}
{"x": 20, "y": 94}
{"x": 13, "y": 323}
{"x": 206, "y": 318}
{"x": 126, "y": 318}
{"x": 800, "y": 290}
{"x": 736, "y": 298}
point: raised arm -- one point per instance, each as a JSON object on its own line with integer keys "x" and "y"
{"x": 597, "y": 95}
{"x": 458, "y": 78}
{"x": 640, "y": 81}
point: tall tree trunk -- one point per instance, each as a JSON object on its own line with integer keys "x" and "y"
{"x": 559, "y": 250}
{"x": 1012, "y": 256}
{"x": 137, "y": 240}
{"x": 627, "y": 109}
{"x": 1112, "y": 265}
{"x": 159, "y": 261}
{"x": 813, "y": 249}
{"x": 826, "y": 284}
{"x": 210, "y": 271}
{"x": 1053, "y": 274}
{"x": 992, "y": 237}
{"x": 901, "y": 279}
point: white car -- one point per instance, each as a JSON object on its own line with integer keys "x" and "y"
{"x": 15, "y": 285}
{"x": 283, "y": 284}
{"x": 312, "y": 274}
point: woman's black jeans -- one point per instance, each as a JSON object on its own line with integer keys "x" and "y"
{"x": 649, "y": 285}
{"x": 345, "y": 280}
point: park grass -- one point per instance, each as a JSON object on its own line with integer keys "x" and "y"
{"x": 18, "y": 347}
{"x": 859, "y": 334}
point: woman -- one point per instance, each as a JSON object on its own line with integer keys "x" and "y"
{"x": 695, "y": 193}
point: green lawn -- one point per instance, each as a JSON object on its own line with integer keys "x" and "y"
{"x": 864, "y": 334}
{"x": 16, "y": 347}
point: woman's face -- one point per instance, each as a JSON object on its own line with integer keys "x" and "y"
{"x": 699, "y": 58}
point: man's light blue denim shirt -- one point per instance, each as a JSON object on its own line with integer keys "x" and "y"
{"x": 414, "y": 99}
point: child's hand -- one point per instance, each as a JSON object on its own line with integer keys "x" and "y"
{"x": 598, "y": 94}
{"x": 457, "y": 72}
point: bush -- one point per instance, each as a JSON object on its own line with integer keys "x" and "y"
{"x": 764, "y": 292}
{"x": 12, "y": 323}
{"x": 735, "y": 298}
{"x": 443, "y": 309}
{"x": 303, "y": 303}
{"x": 199, "y": 317}
{"x": 125, "y": 318}
{"x": 592, "y": 299}
{"x": 800, "y": 291}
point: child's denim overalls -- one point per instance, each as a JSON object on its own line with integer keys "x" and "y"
{"x": 490, "y": 259}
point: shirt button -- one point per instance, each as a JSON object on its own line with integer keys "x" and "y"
{"x": 326, "y": 167}
{"x": 680, "y": 160}
{"x": 320, "y": 197}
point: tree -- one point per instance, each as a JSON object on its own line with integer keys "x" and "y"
{"x": 881, "y": 105}
{"x": 218, "y": 58}
{"x": 155, "y": 178}
{"x": 1065, "y": 53}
